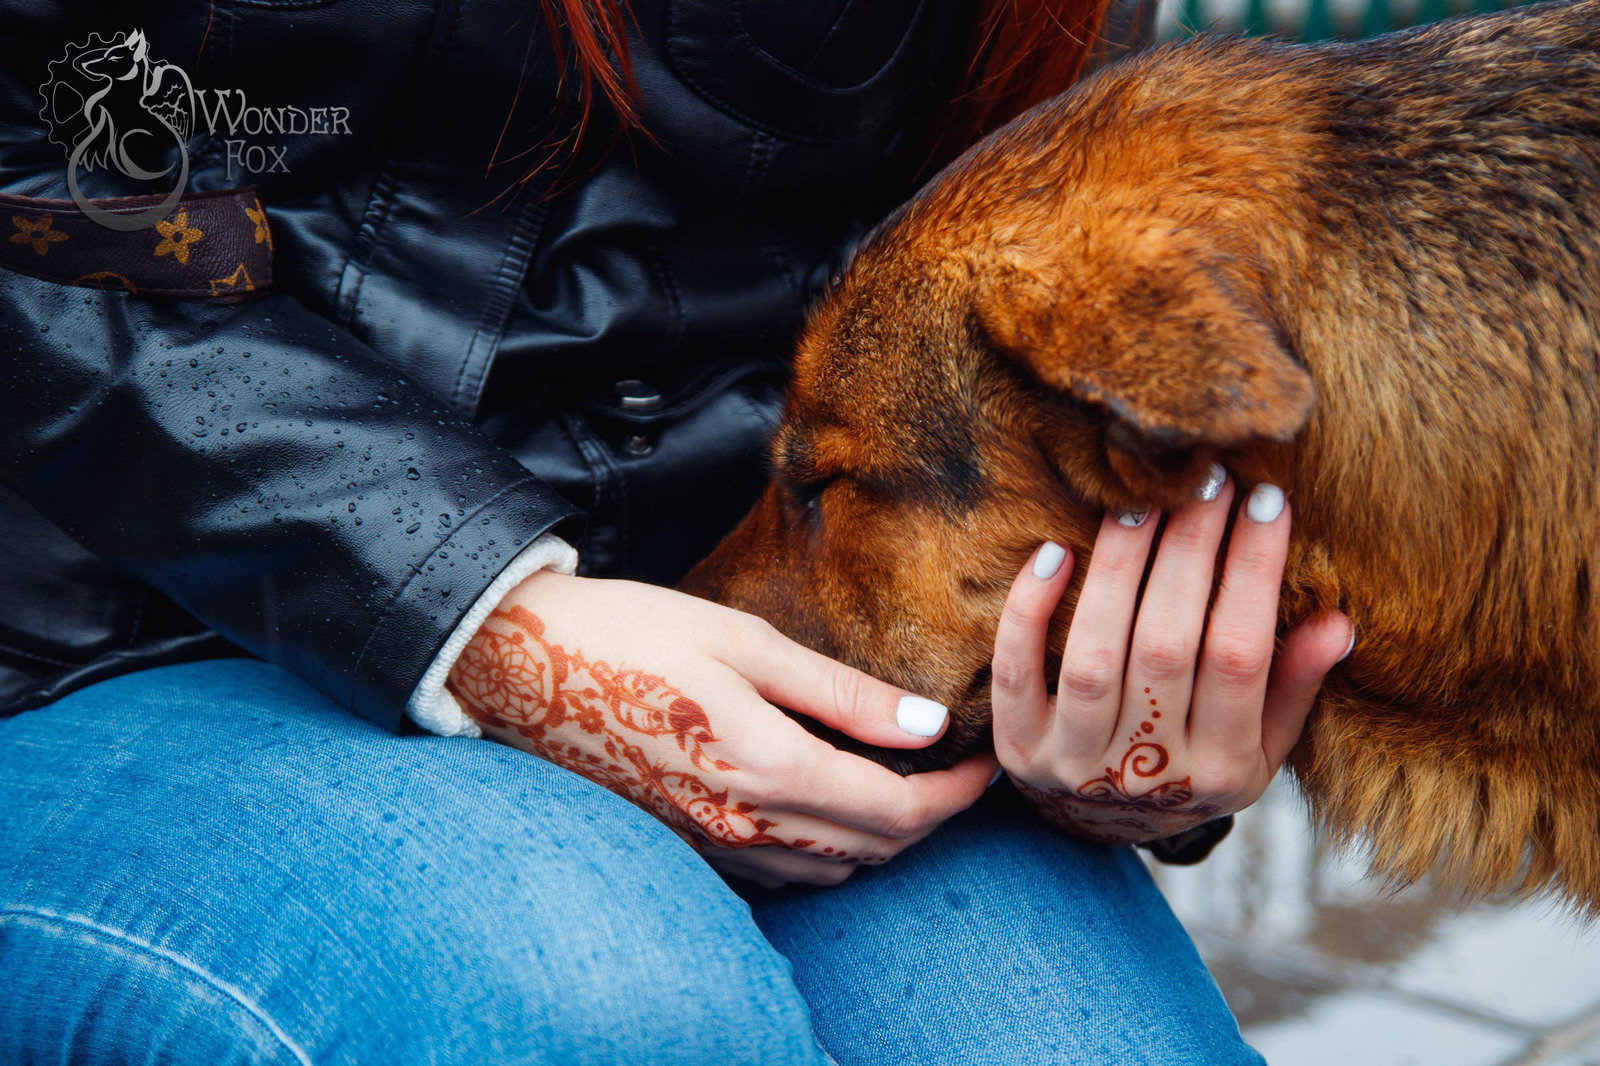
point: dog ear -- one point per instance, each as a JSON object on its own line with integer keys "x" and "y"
{"x": 1157, "y": 340}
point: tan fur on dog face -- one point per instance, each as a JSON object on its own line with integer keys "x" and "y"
{"x": 1368, "y": 273}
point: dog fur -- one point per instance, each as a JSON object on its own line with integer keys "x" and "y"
{"x": 1368, "y": 273}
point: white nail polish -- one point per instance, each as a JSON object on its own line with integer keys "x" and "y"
{"x": 998, "y": 774}
{"x": 1048, "y": 561}
{"x": 1266, "y": 503}
{"x": 920, "y": 717}
{"x": 1132, "y": 519}
{"x": 1349, "y": 648}
{"x": 1211, "y": 488}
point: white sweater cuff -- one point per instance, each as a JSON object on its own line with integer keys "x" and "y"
{"x": 431, "y": 705}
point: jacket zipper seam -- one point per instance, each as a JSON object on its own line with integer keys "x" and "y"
{"x": 509, "y": 276}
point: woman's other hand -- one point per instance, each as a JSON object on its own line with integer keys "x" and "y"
{"x": 1162, "y": 718}
{"x": 673, "y": 703}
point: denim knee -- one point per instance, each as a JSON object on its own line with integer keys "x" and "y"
{"x": 375, "y": 898}
{"x": 90, "y": 995}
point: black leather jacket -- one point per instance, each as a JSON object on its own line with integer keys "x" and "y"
{"x": 329, "y": 476}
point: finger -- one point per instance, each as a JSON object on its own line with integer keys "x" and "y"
{"x": 1021, "y": 704}
{"x": 748, "y": 873}
{"x": 1309, "y": 651}
{"x": 1172, "y": 615}
{"x": 799, "y": 679}
{"x": 1089, "y": 693}
{"x": 760, "y": 807}
{"x": 1226, "y": 713}
{"x": 785, "y": 829}
{"x": 774, "y": 867}
{"x": 851, "y": 791}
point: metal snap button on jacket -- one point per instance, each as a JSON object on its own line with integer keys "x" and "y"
{"x": 637, "y": 395}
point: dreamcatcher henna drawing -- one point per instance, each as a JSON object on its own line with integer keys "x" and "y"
{"x": 511, "y": 676}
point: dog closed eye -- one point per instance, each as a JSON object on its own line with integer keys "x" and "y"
{"x": 807, "y": 496}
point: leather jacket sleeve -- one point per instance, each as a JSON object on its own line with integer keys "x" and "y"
{"x": 290, "y": 482}
{"x": 265, "y": 471}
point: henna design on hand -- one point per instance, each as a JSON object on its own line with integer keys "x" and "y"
{"x": 1112, "y": 800}
{"x": 511, "y": 676}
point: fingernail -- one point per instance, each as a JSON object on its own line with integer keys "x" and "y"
{"x": 1350, "y": 648}
{"x": 1132, "y": 519}
{"x": 920, "y": 717}
{"x": 998, "y": 774}
{"x": 1211, "y": 488}
{"x": 1049, "y": 560}
{"x": 1266, "y": 503}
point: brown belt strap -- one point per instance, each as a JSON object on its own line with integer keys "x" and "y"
{"x": 213, "y": 246}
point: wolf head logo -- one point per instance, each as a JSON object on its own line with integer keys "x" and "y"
{"x": 110, "y": 105}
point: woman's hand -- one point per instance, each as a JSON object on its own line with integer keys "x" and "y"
{"x": 1144, "y": 738}
{"x": 672, "y": 702}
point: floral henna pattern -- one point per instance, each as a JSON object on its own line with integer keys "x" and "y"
{"x": 1098, "y": 808}
{"x": 511, "y": 676}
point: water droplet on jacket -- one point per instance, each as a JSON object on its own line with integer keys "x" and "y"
{"x": 351, "y": 508}
{"x": 413, "y": 527}
{"x": 44, "y": 328}
{"x": 444, "y": 520}
{"x": 358, "y": 521}
{"x": 411, "y": 473}
{"x": 239, "y": 428}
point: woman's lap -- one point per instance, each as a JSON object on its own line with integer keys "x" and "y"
{"x": 997, "y": 940}
{"x": 378, "y": 899}
{"x": 211, "y": 863}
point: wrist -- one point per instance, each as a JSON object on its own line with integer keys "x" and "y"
{"x": 433, "y": 705}
{"x": 538, "y": 591}
{"x": 508, "y": 658}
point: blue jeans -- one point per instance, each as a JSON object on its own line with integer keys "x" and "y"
{"x": 211, "y": 863}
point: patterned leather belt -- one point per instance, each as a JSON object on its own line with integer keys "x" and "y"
{"x": 213, "y": 246}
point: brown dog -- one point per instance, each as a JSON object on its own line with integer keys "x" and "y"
{"x": 1368, "y": 273}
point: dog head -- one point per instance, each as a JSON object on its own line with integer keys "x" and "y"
{"x": 1021, "y": 348}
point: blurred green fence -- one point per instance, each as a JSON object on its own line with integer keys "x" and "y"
{"x": 1313, "y": 20}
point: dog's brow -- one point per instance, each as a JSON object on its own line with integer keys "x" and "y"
{"x": 795, "y": 454}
